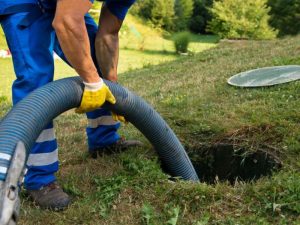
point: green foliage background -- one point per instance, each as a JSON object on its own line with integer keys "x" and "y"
{"x": 256, "y": 19}
{"x": 168, "y": 14}
{"x": 285, "y": 16}
{"x": 183, "y": 13}
{"x": 201, "y": 16}
{"x": 159, "y": 12}
{"x": 239, "y": 19}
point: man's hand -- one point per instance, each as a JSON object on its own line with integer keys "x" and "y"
{"x": 94, "y": 96}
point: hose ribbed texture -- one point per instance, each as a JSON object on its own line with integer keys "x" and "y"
{"x": 30, "y": 116}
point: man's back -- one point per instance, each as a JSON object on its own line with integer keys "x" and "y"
{"x": 118, "y": 7}
{"x": 4, "y": 4}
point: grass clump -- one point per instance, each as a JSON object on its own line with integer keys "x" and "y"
{"x": 182, "y": 41}
{"x": 106, "y": 192}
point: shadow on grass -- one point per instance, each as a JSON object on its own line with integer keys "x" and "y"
{"x": 196, "y": 38}
{"x": 151, "y": 52}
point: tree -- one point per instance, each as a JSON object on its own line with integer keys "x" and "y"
{"x": 159, "y": 12}
{"x": 285, "y": 16}
{"x": 200, "y": 16}
{"x": 162, "y": 13}
{"x": 239, "y": 19}
{"x": 183, "y": 13}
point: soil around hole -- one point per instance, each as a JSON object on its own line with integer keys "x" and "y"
{"x": 226, "y": 162}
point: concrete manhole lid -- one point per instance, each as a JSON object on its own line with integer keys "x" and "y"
{"x": 266, "y": 76}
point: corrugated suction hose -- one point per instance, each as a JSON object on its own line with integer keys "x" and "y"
{"x": 29, "y": 117}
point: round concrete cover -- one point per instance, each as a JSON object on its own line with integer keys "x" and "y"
{"x": 267, "y": 76}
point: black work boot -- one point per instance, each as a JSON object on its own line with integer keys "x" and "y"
{"x": 51, "y": 197}
{"x": 120, "y": 146}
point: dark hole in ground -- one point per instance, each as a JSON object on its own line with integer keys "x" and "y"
{"x": 226, "y": 162}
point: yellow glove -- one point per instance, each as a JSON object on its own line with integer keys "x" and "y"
{"x": 94, "y": 96}
{"x": 117, "y": 117}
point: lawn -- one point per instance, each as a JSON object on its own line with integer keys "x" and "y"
{"x": 192, "y": 95}
{"x": 149, "y": 47}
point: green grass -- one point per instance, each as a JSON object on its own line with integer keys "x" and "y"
{"x": 136, "y": 34}
{"x": 191, "y": 93}
{"x": 152, "y": 47}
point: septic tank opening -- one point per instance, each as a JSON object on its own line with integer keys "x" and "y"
{"x": 227, "y": 162}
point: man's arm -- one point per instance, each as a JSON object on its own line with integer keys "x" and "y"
{"x": 72, "y": 34}
{"x": 107, "y": 43}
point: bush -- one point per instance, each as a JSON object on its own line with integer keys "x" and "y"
{"x": 239, "y": 19}
{"x": 181, "y": 42}
{"x": 200, "y": 16}
{"x": 285, "y": 16}
{"x": 183, "y": 13}
{"x": 159, "y": 12}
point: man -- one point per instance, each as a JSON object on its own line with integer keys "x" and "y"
{"x": 34, "y": 29}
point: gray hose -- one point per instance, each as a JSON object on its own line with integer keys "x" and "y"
{"x": 30, "y": 116}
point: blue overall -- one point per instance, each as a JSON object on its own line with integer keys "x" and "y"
{"x": 32, "y": 46}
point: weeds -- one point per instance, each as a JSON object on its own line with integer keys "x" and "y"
{"x": 174, "y": 213}
{"x": 106, "y": 192}
{"x": 147, "y": 214}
